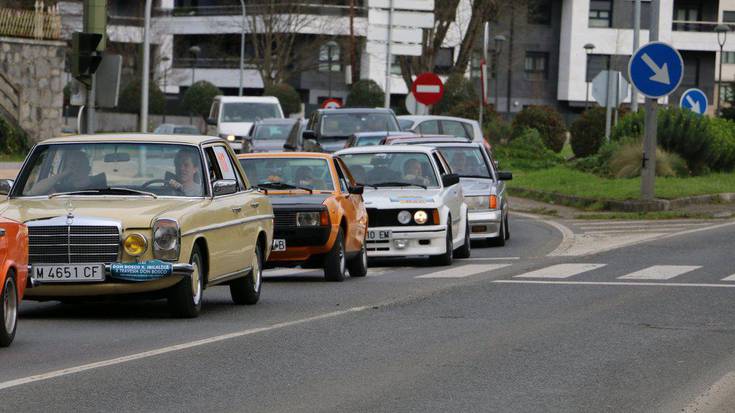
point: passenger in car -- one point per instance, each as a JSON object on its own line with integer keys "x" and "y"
{"x": 73, "y": 176}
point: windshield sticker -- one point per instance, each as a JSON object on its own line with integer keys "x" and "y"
{"x": 411, "y": 199}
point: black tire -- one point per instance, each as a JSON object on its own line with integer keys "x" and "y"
{"x": 246, "y": 290}
{"x": 507, "y": 228}
{"x": 335, "y": 262}
{"x": 8, "y": 310}
{"x": 498, "y": 241}
{"x": 466, "y": 249}
{"x": 183, "y": 300}
{"x": 358, "y": 266}
{"x": 446, "y": 258}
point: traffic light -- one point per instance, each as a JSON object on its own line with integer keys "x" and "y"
{"x": 84, "y": 55}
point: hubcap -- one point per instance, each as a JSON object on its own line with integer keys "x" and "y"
{"x": 196, "y": 285}
{"x": 257, "y": 272}
{"x": 10, "y": 305}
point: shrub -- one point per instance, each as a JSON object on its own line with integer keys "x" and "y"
{"x": 365, "y": 93}
{"x": 13, "y": 140}
{"x": 288, "y": 97}
{"x": 129, "y": 100}
{"x": 497, "y": 130}
{"x": 627, "y": 161}
{"x": 457, "y": 90}
{"x": 598, "y": 163}
{"x": 588, "y": 132}
{"x": 527, "y": 151}
{"x": 547, "y": 121}
{"x": 198, "y": 98}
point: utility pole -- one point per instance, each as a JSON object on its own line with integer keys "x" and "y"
{"x": 636, "y": 45}
{"x": 510, "y": 56}
{"x": 353, "y": 44}
{"x": 648, "y": 170}
{"x": 389, "y": 56}
{"x": 483, "y": 72}
{"x": 146, "y": 67}
{"x": 242, "y": 48}
{"x": 95, "y": 21}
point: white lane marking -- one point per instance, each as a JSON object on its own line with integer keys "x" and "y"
{"x": 493, "y": 259}
{"x": 560, "y": 271}
{"x": 729, "y": 278}
{"x": 428, "y": 88}
{"x": 464, "y": 271}
{"x": 660, "y": 272}
{"x": 715, "y": 398}
{"x": 170, "y": 349}
{"x": 567, "y": 234}
{"x": 623, "y": 283}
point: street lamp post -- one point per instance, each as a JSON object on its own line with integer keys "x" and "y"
{"x": 242, "y": 48}
{"x": 165, "y": 60}
{"x": 721, "y": 30}
{"x": 195, "y": 50}
{"x": 498, "y": 39}
{"x": 588, "y": 48}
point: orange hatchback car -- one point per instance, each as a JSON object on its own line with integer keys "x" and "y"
{"x": 320, "y": 219}
{"x": 13, "y": 275}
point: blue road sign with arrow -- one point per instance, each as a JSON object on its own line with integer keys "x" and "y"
{"x": 694, "y": 100}
{"x": 656, "y": 69}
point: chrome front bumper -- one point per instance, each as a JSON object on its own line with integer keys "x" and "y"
{"x": 405, "y": 242}
{"x": 178, "y": 270}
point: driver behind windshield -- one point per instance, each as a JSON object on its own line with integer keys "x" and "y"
{"x": 188, "y": 174}
{"x": 73, "y": 176}
{"x": 413, "y": 173}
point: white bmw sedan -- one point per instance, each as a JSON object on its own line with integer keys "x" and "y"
{"x": 415, "y": 204}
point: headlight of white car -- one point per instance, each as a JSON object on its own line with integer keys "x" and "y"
{"x": 477, "y": 202}
{"x": 166, "y": 239}
{"x": 404, "y": 217}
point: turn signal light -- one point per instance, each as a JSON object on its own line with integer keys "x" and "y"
{"x": 493, "y": 202}
{"x": 324, "y": 218}
{"x": 435, "y": 216}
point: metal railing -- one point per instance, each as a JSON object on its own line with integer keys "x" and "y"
{"x": 696, "y": 26}
{"x": 40, "y": 23}
{"x": 327, "y": 8}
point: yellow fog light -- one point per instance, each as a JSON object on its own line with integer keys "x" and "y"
{"x": 420, "y": 217}
{"x": 135, "y": 245}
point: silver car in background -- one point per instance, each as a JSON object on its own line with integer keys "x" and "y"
{"x": 484, "y": 190}
{"x": 273, "y": 135}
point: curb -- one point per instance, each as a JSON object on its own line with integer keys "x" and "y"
{"x": 622, "y": 206}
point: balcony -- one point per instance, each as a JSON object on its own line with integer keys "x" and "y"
{"x": 319, "y": 8}
{"x": 695, "y": 26}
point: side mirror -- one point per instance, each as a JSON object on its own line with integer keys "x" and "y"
{"x": 309, "y": 134}
{"x": 289, "y": 146}
{"x": 211, "y": 121}
{"x": 224, "y": 187}
{"x": 450, "y": 179}
{"x": 6, "y": 185}
{"x": 505, "y": 176}
{"x": 356, "y": 190}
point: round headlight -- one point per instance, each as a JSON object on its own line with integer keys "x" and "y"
{"x": 135, "y": 245}
{"x": 231, "y": 138}
{"x": 165, "y": 238}
{"x": 404, "y": 217}
{"x": 420, "y": 217}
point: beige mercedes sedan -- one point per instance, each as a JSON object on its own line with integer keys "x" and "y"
{"x": 163, "y": 216}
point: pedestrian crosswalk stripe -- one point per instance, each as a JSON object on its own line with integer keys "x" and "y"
{"x": 464, "y": 271}
{"x": 729, "y": 278}
{"x": 660, "y": 272}
{"x": 561, "y": 271}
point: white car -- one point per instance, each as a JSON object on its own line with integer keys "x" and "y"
{"x": 415, "y": 204}
{"x": 233, "y": 116}
{"x": 484, "y": 190}
{"x": 442, "y": 125}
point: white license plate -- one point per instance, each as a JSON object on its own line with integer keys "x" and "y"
{"x": 378, "y": 235}
{"x": 69, "y": 273}
{"x": 279, "y": 245}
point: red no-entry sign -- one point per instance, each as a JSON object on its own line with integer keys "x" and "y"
{"x": 332, "y": 103}
{"x": 428, "y": 88}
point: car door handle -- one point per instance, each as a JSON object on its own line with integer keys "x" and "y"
{"x": 255, "y": 204}
{"x": 236, "y": 210}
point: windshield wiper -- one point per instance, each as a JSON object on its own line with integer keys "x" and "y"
{"x": 108, "y": 190}
{"x": 282, "y": 185}
{"x": 398, "y": 184}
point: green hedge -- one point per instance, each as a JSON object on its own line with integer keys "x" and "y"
{"x": 547, "y": 121}
{"x": 287, "y": 96}
{"x": 588, "y": 132}
{"x": 365, "y": 93}
{"x": 526, "y": 152}
{"x": 13, "y": 140}
{"x": 705, "y": 143}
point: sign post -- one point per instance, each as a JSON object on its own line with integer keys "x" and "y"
{"x": 656, "y": 70}
{"x": 694, "y": 100}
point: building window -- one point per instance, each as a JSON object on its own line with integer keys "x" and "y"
{"x": 444, "y": 59}
{"x": 728, "y": 58}
{"x": 728, "y": 16}
{"x": 596, "y": 63}
{"x": 686, "y": 13}
{"x": 330, "y": 57}
{"x": 539, "y": 12}
{"x": 395, "y": 66}
{"x": 536, "y": 66}
{"x": 600, "y": 13}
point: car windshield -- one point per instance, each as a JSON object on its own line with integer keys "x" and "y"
{"x": 112, "y": 168}
{"x": 342, "y": 125}
{"x": 391, "y": 169}
{"x": 466, "y": 161}
{"x": 289, "y": 173}
{"x": 369, "y": 140}
{"x": 405, "y": 124}
{"x": 273, "y": 132}
{"x": 186, "y": 130}
{"x": 248, "y": 111}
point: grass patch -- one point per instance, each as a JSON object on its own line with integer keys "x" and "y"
{"x": 660, "y": 215}
{"x": 567, "y": 181}
{"x": 12, "y": 158}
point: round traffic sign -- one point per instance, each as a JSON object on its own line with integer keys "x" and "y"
{"x": 428, "y": 88}
{"x": 656, "y": 69}
{"x": 695, "y": 100}
{"x": 332, "y": 104}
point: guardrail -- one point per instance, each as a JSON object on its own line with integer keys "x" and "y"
{"x": 40, "y": 23}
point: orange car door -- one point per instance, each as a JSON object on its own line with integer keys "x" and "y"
{"x": 353, "y": 206}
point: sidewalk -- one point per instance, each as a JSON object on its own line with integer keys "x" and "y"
{"x": 9, "y": 170}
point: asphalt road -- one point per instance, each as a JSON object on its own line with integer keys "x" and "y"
{"x": 647, "y": 327}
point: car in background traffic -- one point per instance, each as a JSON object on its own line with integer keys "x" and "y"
{"x": 320, "y": 218}
{"x": 273, "y": 135}
{"x": 422, "y": 140}
{"x": 414, "y": 202}
{"x": 144, "y": 215}
{"x": 443, "y": 125}
{"x": 373, "y": 138}
{"x": 329, "y": 129}
{"x": 13, "y": 276}
{"x": 232, "y": 117}
{"x": 172, "y": 129}
{"x": 484, "y": 190}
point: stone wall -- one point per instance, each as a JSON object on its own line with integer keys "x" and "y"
{"x": 35, "y": 68}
